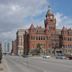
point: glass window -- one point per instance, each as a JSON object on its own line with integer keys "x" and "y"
{"x": 43, "y": 37}
{"x": 39, "y": 37}
{"x": 47, "y": 38}
{"x": 32, "y": 37}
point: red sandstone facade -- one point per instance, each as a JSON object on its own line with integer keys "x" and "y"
{"x": 47, "y": 37}
{"x": 67, "y": 40}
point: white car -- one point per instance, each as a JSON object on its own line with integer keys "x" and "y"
{"x": 46, "y": 56}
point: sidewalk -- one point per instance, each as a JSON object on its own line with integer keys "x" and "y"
{"x": 3, "y": 66}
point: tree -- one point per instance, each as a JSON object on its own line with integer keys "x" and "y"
{"x": 38, "y": 49}
{"x": 0, "y": 53}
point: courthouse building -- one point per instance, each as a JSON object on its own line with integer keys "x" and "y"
{"x": 49, "y": 38}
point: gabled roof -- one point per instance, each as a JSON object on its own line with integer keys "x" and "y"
{"x": 32, "y": 26}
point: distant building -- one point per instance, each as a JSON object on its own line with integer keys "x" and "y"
{"x": 8, "y": 47}
{"x": 0, "y": 46}
{"x": 14, "y": 48}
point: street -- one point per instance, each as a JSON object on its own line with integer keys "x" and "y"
{"x": 37, "y": 64}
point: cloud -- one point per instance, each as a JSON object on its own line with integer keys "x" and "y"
{"x": 62, "y": 20}
{"x": 10, "y": 35}
{"x": 14, "y": 14}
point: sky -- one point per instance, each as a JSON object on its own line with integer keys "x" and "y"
{"x": 16, "y": 14}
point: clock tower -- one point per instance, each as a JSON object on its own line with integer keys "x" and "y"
{"x": 50, "y": 21}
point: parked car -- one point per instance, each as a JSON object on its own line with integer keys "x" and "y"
{"x": 46, "y": 56}
{"x": 69, "y": 57}
{"x": 60, "y": 57}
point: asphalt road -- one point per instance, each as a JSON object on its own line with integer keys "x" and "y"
{"x": 37, "y": 64}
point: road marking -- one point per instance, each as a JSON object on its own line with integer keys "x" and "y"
{"x": 47, "y": 71}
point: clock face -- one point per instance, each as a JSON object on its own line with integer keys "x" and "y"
{"x": 51, "y": 17}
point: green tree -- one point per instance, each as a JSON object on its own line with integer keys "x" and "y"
{"x": 0, "y": 55}
{"x": 38, "y": 49}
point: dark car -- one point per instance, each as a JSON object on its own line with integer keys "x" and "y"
{"x": 69, "y": 57}
{"x": 60, "y": 56}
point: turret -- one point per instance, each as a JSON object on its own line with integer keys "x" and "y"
{"x": 31, "y": 29}
{"x": 50, "y": 21}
